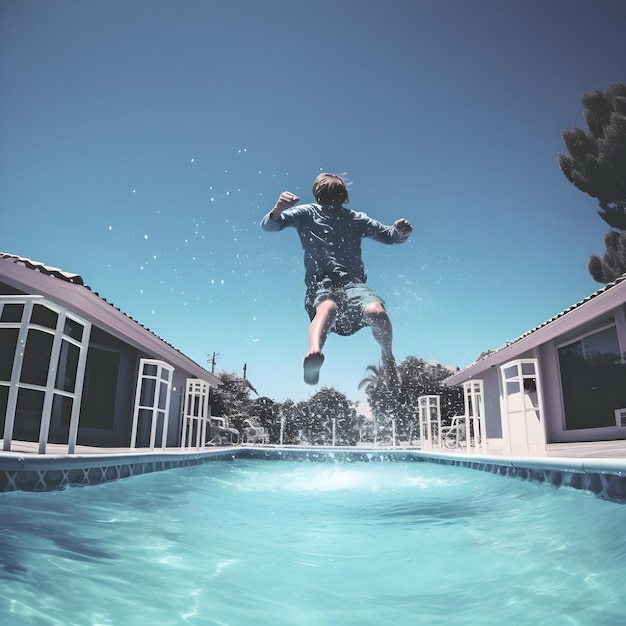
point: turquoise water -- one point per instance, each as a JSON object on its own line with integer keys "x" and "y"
{"x": 279, "y": 542}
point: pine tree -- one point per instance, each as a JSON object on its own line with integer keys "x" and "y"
{"x": 597, "y": 166}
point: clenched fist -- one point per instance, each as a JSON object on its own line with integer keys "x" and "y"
{"x": 285, "y": 201}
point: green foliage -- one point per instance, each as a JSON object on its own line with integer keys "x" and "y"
{"x": 311, "y": 421}
{"x": 267, "y": 413}
{"x": 613, "y": 262}
{"x": 389, "y": 400}
{"x": 596, "y": 165}
{"x": 232, "y": 399}
{"x": 325, "y": 407}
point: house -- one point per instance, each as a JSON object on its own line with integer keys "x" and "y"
{"x": 76, "y": 370}
{"x": 561, "y": 382}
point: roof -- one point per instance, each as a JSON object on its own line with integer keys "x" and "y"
{"x": 604, "y": 300}
{"x": 69, "y": 290}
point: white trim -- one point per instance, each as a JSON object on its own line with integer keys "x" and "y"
{"x": 599, "y": 304}
{"x": 49, "y": 389}
{"x": 196, "y": 413}
{"x": 522, "y": 434}
{"x": 591, "y": 331}
{"x": 620, "y": 325}
{"x": 153, "y": 409}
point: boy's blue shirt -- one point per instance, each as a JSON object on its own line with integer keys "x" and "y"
{"x": 331, "y": 238}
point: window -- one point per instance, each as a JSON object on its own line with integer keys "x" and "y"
{"x": 152, "y": 402}
{"x": 8, "y": 347}
{"x": 100, "y": 389}
{"x": 37, "y": 354}
{"x": 593, "y": 380}
{"x": 42, "y": 349}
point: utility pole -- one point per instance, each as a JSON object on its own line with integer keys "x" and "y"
{"x": 211, "y": 359}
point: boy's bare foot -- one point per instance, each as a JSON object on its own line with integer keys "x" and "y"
{"x": 312, "y": 365}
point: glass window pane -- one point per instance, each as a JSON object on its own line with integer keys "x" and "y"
{"x": 528, "y": 369}
{"x": 68, "y": 366}
{"x": 163, "y": 393}
{"x": 8, "y": 345}
{"x": 149, "y": 369}
{"x": 12, "y": 313}
{"x": 144, "y": 426}
{"x": 148, "y": 387}
{"x": 100, "y": 389}
{"x": 73, "y": 329}
{"x": 512, "y": 388}
{"x": 165, "y": 374}
{"x": 510, "y": 372}
{"x": 36, "y": 357}
{"x": 593, "y": 380}
{"x": 530, "y": 385}
{"x": 28, "y": 414}
{"x": 4, "y": 400}
{"x": 61, "y": 410}
{"x": 43, "y": 316}
{"x": 602, "y": 348}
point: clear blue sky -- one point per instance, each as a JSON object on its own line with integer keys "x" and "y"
{"x": 141, "y": 142}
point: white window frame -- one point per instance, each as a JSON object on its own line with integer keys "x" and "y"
{"x": 153, "y": 409}
{"x": 49, "y": 389}
{"x": 196, "y": 413}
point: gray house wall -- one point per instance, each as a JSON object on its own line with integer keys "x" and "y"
{"x": 604, "y": 308}
{"x": 491, "y": 403}
{"x": 552, "y": 397}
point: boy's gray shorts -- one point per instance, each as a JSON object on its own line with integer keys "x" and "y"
{"x": 350, "y": 297}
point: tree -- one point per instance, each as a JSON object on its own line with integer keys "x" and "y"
{"x": 596, "y": 165}
{"x": 311, "y": 421}
{"x": 381, "y": 395}
{"x": 400, "y": 402}
{"x": 329, "y": 407}
{"x": 232, "y": 399}
{"x": 266, "y": 412}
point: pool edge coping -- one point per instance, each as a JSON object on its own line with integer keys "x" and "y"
{"x": 605, "y": 477}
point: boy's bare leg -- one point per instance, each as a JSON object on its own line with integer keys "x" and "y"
{"x": 321, "y": 325}
{"x": 377, "y": 319}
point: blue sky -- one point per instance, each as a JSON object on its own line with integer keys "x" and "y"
{"x": 141, "y": 142}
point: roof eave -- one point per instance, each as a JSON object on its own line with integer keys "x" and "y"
{"x": 82, "y": 301}
{"x": 589, "y": 309}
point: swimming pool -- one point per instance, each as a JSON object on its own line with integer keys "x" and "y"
{"x": 257, "y": 542}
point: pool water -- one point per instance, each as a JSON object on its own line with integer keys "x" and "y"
{"x": 256, "y": 542}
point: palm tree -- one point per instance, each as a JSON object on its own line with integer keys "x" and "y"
{"x": 380, "y": 396}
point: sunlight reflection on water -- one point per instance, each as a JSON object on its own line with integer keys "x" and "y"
{"x": 267, "y": 542}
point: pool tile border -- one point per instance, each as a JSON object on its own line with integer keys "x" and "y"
{"x": 605, "y": 478}
{"x": 33, "y": 472}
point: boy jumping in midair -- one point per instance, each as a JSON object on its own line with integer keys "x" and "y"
{"x": 337, "y": 298}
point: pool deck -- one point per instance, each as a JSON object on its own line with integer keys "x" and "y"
{"x": 599, "y": 467}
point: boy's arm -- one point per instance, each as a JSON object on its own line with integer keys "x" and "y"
{"x": 398, "y": 232}
{"x": 272, "y": 221}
